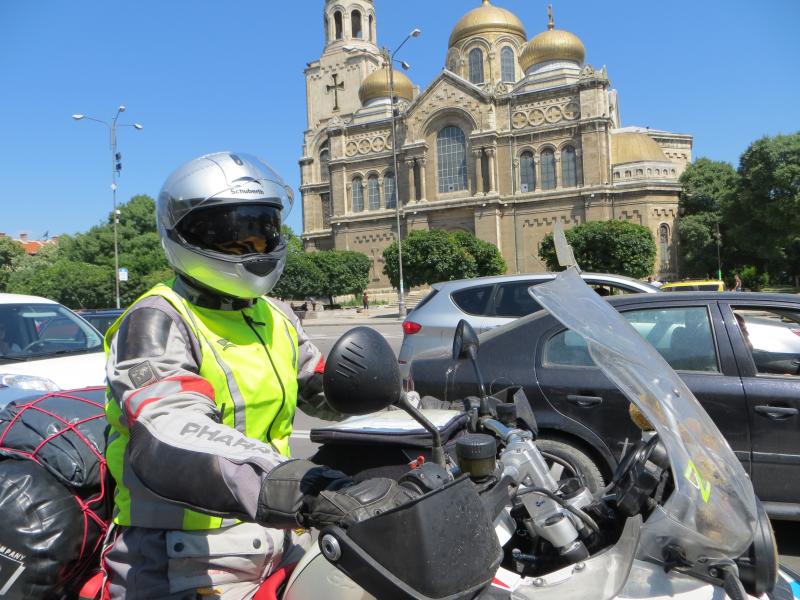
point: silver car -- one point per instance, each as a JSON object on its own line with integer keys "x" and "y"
{"x": 487, "y": 302}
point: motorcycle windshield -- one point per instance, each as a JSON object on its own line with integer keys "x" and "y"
{"x": 712, "y": 511}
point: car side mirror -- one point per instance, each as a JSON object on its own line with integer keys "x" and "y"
{"x": 465, "y": 341}
{"x": 361, "y": 373}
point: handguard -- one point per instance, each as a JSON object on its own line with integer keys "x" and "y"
{"x": 443, "y": 546}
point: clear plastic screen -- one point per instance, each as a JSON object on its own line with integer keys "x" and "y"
{"x": 712, "y": 512}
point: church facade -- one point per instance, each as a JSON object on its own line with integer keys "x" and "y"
{"x": 511, "y": 136}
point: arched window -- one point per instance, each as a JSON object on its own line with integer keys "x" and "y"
{"x": 355, "y": 25}
{"x": 388, "y": 190}
{"x": 527, "y": 172}
{"x": 337, "y": 25}
{"x": 569, "y": 167}
{"x": 663, "y": 241}
{"x": 373, "y": 192}
{"x": 451, "y": 151}
{"x": 324, "y": 157}
{"x": 507, "y": 64}
{"x": 358, "y": 194}
{"x": 548, "y": 166}
{"x": 476, "y": 65}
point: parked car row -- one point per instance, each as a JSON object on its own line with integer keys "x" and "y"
{"x": 738, "y": 353}
{"x": 486, "y": 303}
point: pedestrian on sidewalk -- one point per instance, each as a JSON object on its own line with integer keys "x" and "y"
{"x": 366, "y": 301}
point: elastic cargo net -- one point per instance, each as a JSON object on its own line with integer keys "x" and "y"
{"x": 54, "y": 497}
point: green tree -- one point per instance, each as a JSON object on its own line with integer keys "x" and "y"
{"x": 139, "y": 248}
{"x": 488, "y": 260}
{"x": 293, "y": 243}
{"x": 698, "y": 245}
{"x": 617, "y": 247}
{"x": 300, "y": 279}
{"x": 74, "y": 284}
{"x": 11, "y": 253}
{"x": 438, "y": 255}
{"x": 763, "y": 216}
{"x": 342, "y": 272}
{"x": 707, "y": 186}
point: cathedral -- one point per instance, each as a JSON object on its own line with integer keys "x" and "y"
{"x": 512, "y": 135}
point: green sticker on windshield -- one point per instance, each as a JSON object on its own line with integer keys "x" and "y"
{"x": 693, "y": 476}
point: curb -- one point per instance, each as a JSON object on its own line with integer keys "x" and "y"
{"x": 345, "y": 321}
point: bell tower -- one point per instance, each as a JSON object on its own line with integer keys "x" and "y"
{"x": 350, "y": 54}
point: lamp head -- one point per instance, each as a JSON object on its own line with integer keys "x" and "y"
{"x": 121, "y": 108}
{"x": 405, "y": 65}
{"x": 137, "y": 126}
{"x": 77, "y": 117}
{"x": 416, "y": 32}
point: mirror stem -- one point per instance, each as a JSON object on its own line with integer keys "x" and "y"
{"x": 473, "y": 357}
{"x": 437, "y": 452}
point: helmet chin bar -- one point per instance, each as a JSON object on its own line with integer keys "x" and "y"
{"x": 226, "y": 276}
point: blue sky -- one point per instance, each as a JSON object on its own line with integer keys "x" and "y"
{"x": 205, "y": 75}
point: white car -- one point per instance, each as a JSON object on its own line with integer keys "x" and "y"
{"x": 45, "y": 346}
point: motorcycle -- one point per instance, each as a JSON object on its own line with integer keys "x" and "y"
{"x": 679, "y": 518}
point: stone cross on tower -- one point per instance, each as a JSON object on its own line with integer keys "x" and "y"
{"x": 337, "y": 85}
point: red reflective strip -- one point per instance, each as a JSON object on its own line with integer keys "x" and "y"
{"x": 188, "y": 383}
{"x": 133, "y": 416}
{"x": 196, "y": 384}
{"x": 320, "y": 368}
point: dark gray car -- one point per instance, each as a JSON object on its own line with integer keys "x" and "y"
{"x": 739, "y": 353}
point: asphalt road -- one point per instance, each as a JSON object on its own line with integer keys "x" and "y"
{"x": 324, "y": 336}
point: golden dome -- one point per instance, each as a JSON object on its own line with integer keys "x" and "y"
{"x": 376, "y": 85}
{"x": 487, "y": 18}
{"x": 553, "y": 44}
{"x": 631, "y": 146}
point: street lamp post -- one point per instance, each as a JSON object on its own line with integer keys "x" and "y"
{"x": 389, "y": 60}
{"x": 718, "y": 235}
{"x": 116, "y": 166}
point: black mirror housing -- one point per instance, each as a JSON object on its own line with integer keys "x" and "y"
{"x": 361, "y": 373}
{"x": 465, "y": 341}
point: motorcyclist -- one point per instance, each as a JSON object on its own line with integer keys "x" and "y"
{"x": 204, "y": 375}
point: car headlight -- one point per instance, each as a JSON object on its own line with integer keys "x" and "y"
{"x": 27, "y": 382}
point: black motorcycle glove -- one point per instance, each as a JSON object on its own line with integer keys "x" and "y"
{"x": 358, "y": 502}
{"x": 290, "y": 487}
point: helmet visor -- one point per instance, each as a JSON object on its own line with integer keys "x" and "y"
{"x": 236, "y": 230}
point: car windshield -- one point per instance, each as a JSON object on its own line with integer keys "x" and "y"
{"x": 712, "y": 512}
{"x": 30, "y": 331}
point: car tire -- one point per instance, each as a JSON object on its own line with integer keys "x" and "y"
{"x": 573, "y": 459}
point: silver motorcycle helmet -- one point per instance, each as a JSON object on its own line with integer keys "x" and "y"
{"x": 219, "y": 219}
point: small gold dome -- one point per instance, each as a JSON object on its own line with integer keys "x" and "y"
{"x": 632, "y": 146}
{"x": 553, "y": 44}
{"x": 376, "y": 85}
{"x": 487, "y": 18}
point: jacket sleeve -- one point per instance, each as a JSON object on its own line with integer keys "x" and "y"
{"x": 178, "y": 448}
{"x": 310, "y": 367}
